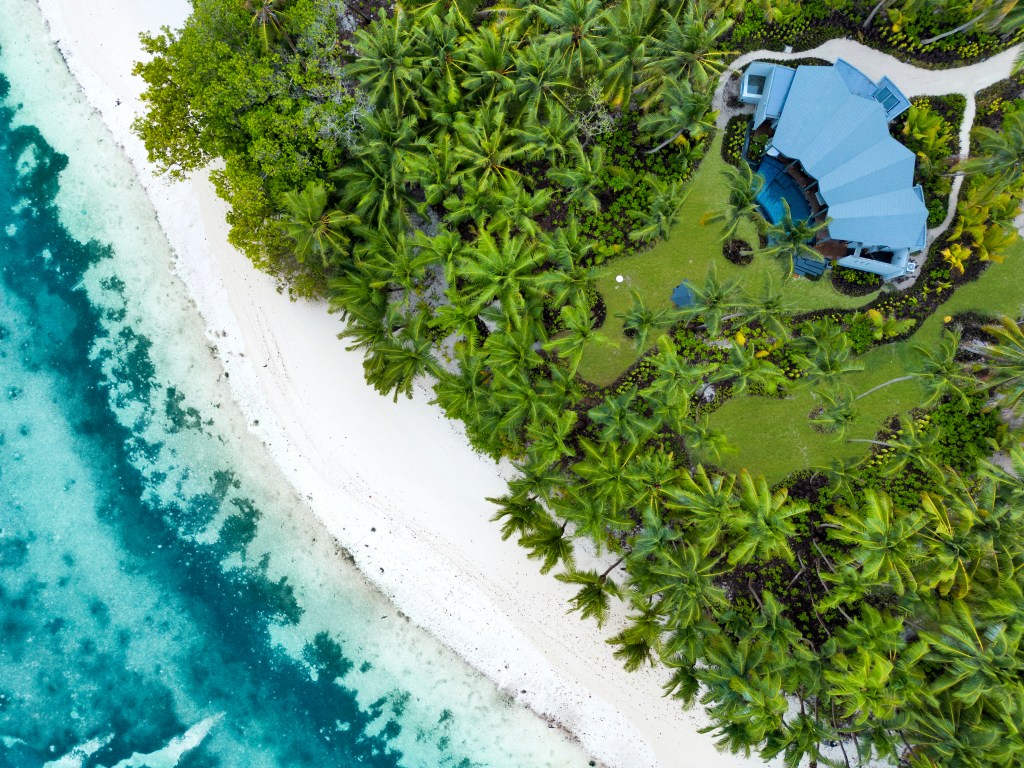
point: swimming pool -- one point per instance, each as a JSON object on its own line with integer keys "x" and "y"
{"x": 780, "y": 186}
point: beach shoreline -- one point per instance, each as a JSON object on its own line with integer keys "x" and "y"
{"x": 397, "y": 485}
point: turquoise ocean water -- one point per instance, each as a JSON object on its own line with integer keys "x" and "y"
{"x": 163, "y": 601}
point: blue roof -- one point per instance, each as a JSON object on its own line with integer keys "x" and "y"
{"x": 834, "y": 124}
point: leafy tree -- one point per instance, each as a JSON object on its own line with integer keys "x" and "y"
{"x": 315, "y": 228}
{"x": 384, "y": 65}
{"x": 581, "y": 176}
{"x": 713, "y": 300}
{"x": 619, "y": 421}
{"x": 666, "y": 204}
{"x": 642, "y": 321}
{"x": 577, "y": 28}
{"x": 884, "y": 541}
{"x": 789, "y": 238}
{"x": 596, "y": 590}
{"x": 684, "y": 110}
{"x": 741, "y": 205}
{"x": 1004, "y": 361}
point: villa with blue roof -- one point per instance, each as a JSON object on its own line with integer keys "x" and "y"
{"x": 831, "y": 155}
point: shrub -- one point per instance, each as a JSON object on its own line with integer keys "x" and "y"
{"x": 854, "y": 282}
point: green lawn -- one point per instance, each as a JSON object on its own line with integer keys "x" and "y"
{"x": 774, "y": 437}
{"x": 685, "y": 256}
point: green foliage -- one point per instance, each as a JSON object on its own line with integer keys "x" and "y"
{"x": 735, "y": 135}
{"x": 931, "y": 135}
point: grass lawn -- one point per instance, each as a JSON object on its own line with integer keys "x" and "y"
{"x": 685, "y": 256}
{"x": 774, "y": 437}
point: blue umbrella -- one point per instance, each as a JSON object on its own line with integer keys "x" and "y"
{"x": 682, "y": 296}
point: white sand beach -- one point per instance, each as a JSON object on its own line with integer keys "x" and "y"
{"x": 396, "y": 484}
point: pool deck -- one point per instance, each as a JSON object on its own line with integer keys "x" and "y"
{"x": 829, "y": 249}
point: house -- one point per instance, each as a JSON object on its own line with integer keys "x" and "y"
{"x": 831, "y": 143}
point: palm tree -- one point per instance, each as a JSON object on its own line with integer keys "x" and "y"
{"x": 501, "y": 270}
{"x": 683, "y": 109}
{"x": 518, "y": 517}
{"x": 581, "y": 332}
{"x": 682, "y": 577}
{"x": 549, "y": 543}
{"x": 936, "y": 367}
{"x": 489, "y": 63}
{"x": 761, "y": 525}
{"x": 377, "y": 187}
{"x": 517, "y": 209}
{"x": 712, "y": 300}
{"x": 744, "y": 369}
{"x": 768, "y": 309}
{"x": 742, "y": 205}
{"x": 705, "y": 442}
{"x": 884, "y": 542}
{"x": 1004, "y": 361}
{"x": 686, "y": 49}
{"x": 596, "y": 590}
{"x": 663, "y": 213}
{"x": 824, "y": 352}
{"x": 582, "y": 176}
{"x": 488, "y": 146}
{"x": 910, "y": 444}
{"x": 438, "y": 38}
{"x": 1000, "y": 154}
{"x": 269, "y": 21}
{"x": 436, "y": 170}
{"x": 836, "y": 413}
{"x": 618, "y": 421}
{"x": 569, "y": 282}
{"x": 541, "y": 81}
{"x": 551, "y": 138}
{"x": 315, "y": 228}
{"x": 548, "y": 437}
{"x": 392, "y": 365}
{"x": 640, "y": 642}
{"x": 704, "y": 500}
{"x": 611, "y": 472}
{"x": 642, "y": 321}
{"x": 676, "y": 374}
{"x": 629, "y": 27}
{"x": 788, "y": 239}
{"x": 384, "y": 65}
{"x": 576, "y": 29}
{"x": 462, "y": 395}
